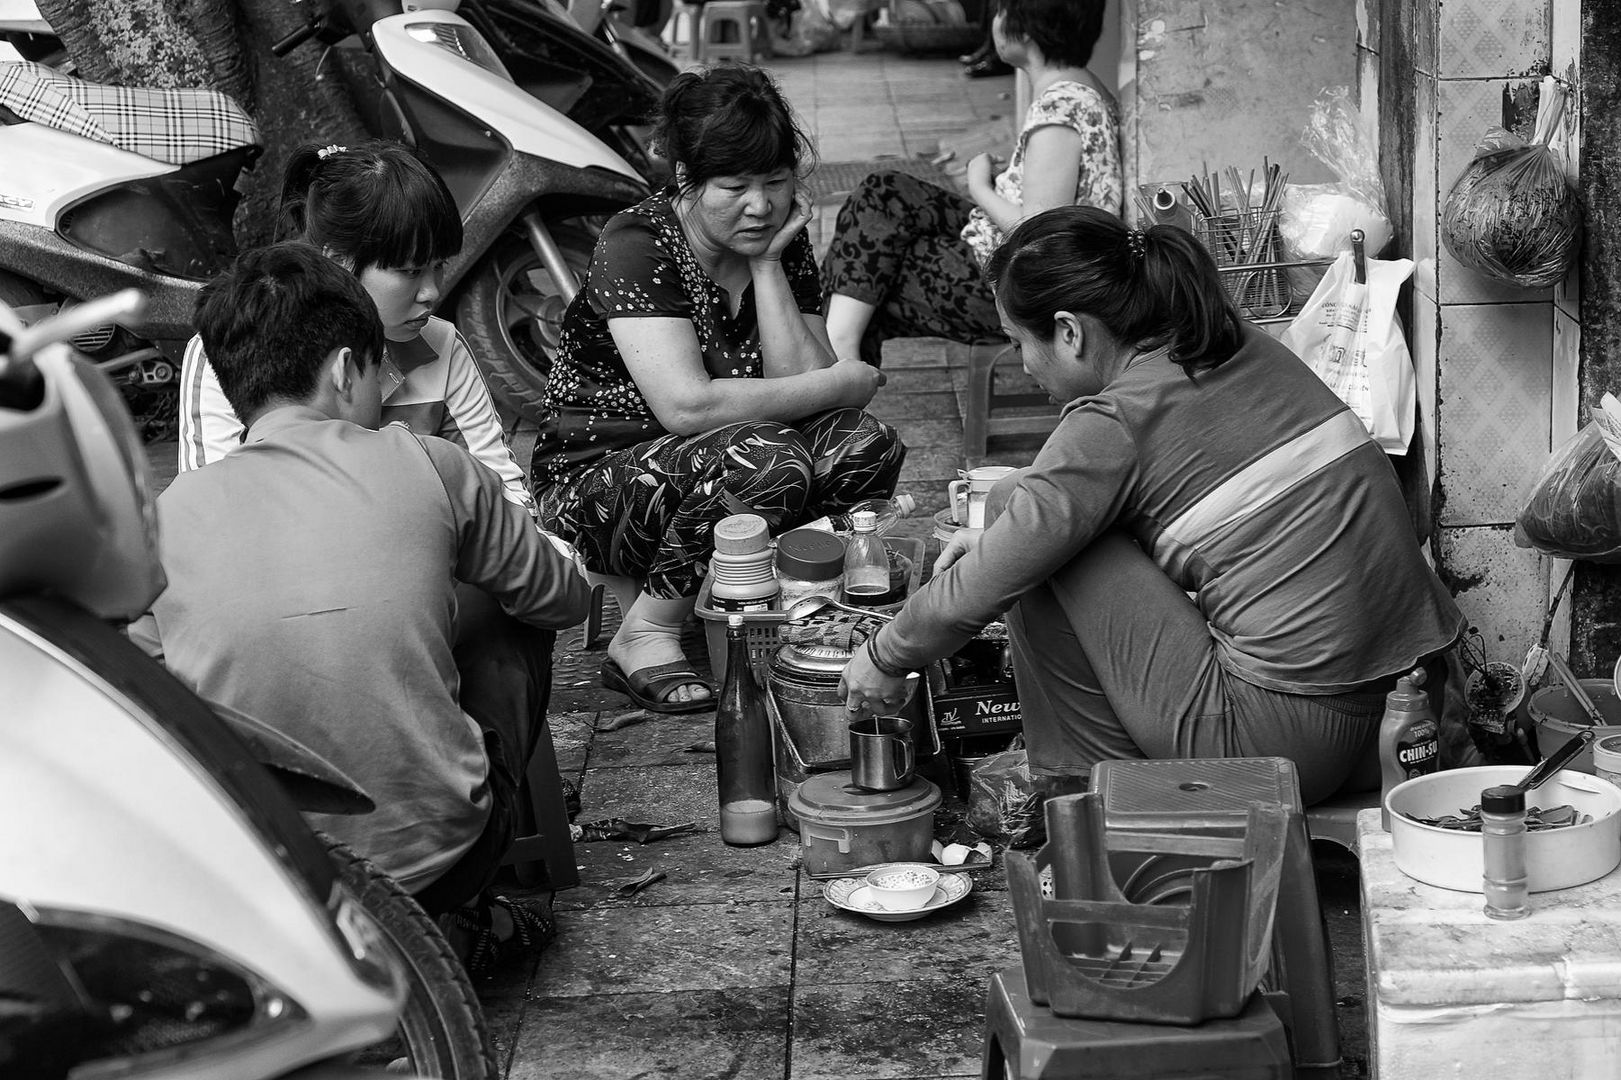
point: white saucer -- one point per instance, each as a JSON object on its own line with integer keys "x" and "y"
{"x": 852, "y": 894}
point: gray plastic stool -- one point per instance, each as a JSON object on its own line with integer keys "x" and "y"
{"x": 1026, "y": 1042}
{"x": 1212, "y": 795}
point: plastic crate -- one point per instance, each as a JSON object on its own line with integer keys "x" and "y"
{"x": 760, "y": 627}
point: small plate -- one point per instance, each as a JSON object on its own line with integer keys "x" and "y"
{"x": 852, "y": 894}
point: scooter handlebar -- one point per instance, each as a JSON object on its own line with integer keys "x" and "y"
{"x": 295, "y": 39}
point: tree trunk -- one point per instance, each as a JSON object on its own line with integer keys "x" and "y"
{"x": 223, "y": 45}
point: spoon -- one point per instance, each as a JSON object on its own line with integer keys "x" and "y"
{"x": 1555, "y": 761}
{"x": 804, "y": 608}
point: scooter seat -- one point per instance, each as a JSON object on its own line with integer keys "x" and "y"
{"x": 176, "y": 126}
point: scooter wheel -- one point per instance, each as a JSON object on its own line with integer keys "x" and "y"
{"x": 511, "y": 313}
{"x": 442, "y": 1031}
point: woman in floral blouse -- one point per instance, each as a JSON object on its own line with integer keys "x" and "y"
{"x": 695, "y": 380}
{"x": 906, "y": 254}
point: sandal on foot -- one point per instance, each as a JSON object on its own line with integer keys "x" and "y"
{"x": 648, "y": 687}
{"x": 481, "y": 948}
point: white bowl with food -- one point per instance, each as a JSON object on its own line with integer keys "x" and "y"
{"x": 1555, "y": 858}
{"x": 902, "y": 886}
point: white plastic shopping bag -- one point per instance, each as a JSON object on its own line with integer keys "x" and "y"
{"x": 1349, "y": 335}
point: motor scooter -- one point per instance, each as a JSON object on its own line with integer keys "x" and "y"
{"x": 164, "y": 910}
{"x": 81, "y": 216}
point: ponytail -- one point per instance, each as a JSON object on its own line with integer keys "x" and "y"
{"x": 1150, "y": 289}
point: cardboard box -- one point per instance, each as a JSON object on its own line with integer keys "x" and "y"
{"x": 987, "y": 709}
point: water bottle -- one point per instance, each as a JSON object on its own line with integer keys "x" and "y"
{"x": 745, "y": 770}
{"x": 886, "y": 512}
{"x": 866, "y": 564}
{"x": 1409, "y": 740}
{"x": 1502, "y": 839}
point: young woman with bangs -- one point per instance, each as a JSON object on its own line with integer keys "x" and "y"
{"x": 385, "y": 215}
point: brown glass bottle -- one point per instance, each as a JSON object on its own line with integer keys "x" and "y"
{"x": 745, "y": 772}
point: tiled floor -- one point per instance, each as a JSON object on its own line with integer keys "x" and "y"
{"x": 733, "y": 965}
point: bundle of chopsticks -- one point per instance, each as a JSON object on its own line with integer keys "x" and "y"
{"x": 1240, "y": 229}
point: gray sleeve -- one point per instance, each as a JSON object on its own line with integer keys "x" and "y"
{"x": 1076, "y": 488}
{"x": 499, "y": 549}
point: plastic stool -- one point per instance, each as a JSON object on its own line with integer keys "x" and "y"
{"x": 1213, "y": 795}
{"x": 681, "y": 32}
{"x": 1335, "y": 819}
{"x": 749, "y": 19}
{"x": 1026, "y": 1042}
{"x": 978, "y": 425}
{"x": 624, "y": 590}
{"x": 543, "y": 851}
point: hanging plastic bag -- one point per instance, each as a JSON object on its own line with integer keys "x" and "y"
{"x": 1349, "y": 335}
{"x": 1513, "y": 215}
{"x": 1004, "y": 801}
{"x": 1574, "y": 511}
{"x": 1316, "y": 220}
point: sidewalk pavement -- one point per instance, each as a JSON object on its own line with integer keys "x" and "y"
{"x": 733, "y": 965}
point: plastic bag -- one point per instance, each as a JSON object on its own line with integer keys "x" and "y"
{"x": 810, "y": 32}
{"x": 1349, "y": 335}
{"x": 1316, "y": 220}
{"x": 1513, "y": 215}
{"x": 1574, "y": 510}
{"x": 1004, "y": 801}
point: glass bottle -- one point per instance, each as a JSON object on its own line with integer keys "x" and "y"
{"x": 887, "y": 511}
{"x": 745, "y": 771}
{"x": 1502, "y": 839}
{"x": 866, "y": 564}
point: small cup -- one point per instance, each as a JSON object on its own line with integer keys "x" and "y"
{"x": 903, "y": 886}
{"x": 969, "y": 493}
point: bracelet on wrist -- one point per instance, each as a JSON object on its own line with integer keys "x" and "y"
{"x": 888, "y": 669}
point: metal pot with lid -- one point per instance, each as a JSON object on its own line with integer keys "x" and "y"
{"x": 803, "y": 679}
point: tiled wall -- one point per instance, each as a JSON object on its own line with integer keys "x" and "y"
{"x": 1497, "y": 364}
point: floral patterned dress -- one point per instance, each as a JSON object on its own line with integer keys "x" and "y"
{"x": 915, "y": 250}
{"x": 1100, "y": 183}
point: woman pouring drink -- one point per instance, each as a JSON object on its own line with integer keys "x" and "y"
{"x": 1209, "y": 557}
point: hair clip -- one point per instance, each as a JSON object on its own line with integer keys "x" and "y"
{"x": 330, "y": 149}
{"x": 1136, "y": 243}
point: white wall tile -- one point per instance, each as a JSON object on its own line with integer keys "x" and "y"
{"x": 1493, "y": 418}
{"x": 1484, "y": 39}
{"x": 1426, "y": 199}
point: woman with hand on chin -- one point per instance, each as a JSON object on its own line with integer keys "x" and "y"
{"x": 694, "y": 378}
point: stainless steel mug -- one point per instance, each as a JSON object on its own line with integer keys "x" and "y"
{"x": 881, "y": 757}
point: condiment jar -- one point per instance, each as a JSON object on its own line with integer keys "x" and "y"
{"x": 809, "y": 563}
{"x": 740, "y": 573}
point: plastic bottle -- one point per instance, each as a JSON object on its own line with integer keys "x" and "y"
{"x": 866, "y": 564}
{"x": 1409, "y": 740}
{"x": 741, "y": 577}
{"x": 745, "y": 770}
{"x": 887, "y": 511}
{"x": 1502, "y": 839}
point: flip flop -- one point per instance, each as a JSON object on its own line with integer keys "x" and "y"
{"x": 648, "y": 686}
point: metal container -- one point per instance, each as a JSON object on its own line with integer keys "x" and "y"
{"x": 842, "y": 826}
{"x": 804, "y": 681}
{"x": 1554, "y": 858}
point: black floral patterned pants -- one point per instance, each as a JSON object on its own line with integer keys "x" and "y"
{"x": 898, "y": 244}
{"x": 649, "y": 511}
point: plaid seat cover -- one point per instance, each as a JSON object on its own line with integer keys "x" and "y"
{"x": 177, "y": 126}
